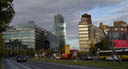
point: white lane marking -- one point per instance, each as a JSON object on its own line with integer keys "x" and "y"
{"x": 21, "y": 65}
{"x": 33, "y": 66}
{"x": 11, "y": 64}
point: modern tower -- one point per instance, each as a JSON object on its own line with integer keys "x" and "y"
{"x": 60, "y": 30}
{"x": 84, "y": 32}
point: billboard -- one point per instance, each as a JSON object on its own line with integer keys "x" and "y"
{"x": 67, "y": 49}
{"x": 120, "y": 43}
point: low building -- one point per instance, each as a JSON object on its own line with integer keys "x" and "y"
{"x": 118, "y": 35}
{"x": 29, "y": 34}
{"x": 97, "y": 34}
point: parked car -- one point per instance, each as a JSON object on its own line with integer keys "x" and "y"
{"x": 21, "y": 58}
{"x": 86, "y": 57}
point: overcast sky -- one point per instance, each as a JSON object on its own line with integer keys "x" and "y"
{"x": 43, "y": 11}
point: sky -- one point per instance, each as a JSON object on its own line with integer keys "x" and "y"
{"x": 43, "y": 12}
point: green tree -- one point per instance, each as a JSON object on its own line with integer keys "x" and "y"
{"x": 104, "y": 44}
{"x": 6, "y": 13}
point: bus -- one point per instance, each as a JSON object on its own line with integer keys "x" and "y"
{"x": 107, "y": 54}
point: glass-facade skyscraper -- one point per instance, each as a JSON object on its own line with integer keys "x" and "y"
{"x": 60, "y": 30}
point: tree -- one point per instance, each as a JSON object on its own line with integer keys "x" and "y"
{"x": 104, "y": 44}
{"x": 6, "y": 13}
{"x": 2, "y": 45}
{"x": 92, "y": 47}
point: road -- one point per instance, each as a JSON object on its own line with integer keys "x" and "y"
{"x": 12, "y": 64}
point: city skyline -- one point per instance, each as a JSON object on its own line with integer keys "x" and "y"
{"x": 43, "y": 11}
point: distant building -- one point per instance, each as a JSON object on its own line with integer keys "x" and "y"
{"x": 60, "y": 29}
{"x": 119, "y": 23}
{"x": 104, "y": 27}
{"x": 53, "y": 39}
{"x": 29, "y": 34}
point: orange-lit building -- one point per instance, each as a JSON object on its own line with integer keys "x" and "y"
{"x": 119, "y": 23}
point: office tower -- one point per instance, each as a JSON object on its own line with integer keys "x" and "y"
{"x": 84, "y": 32}
{"x": 60, "y": 30}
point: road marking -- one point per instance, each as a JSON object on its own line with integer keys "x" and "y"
{"x": 21, "y": 65}
{"x": 34, "y": 66}
{"x": 10, "y": 64}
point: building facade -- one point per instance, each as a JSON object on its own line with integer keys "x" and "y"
{"x": 29, "y": 34}
{"x": 84, "y": 32}
{"x": 53, "y": 39}
{"x": 97, "y": 34}
{"x": 118, "y": 35}
{"x": 104, "y": 27}
{"x": 89, "y": 34}
{"x": 60, "y": 29}
{"x": 119, "y": 23}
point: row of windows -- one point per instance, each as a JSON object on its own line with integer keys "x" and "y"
{"x": 83, "y": 25}
{"x": 83, "y": 28}
{"x": 119, "y": 35}
{"x": 84, "y": 49}
{"x": 84, "y": 39}
{"x": 19, "y": 32}
{"x": 83, "y": 32}
{"x": 19, "y": 36}
{"x": 83, "y": 35}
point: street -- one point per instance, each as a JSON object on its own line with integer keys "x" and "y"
{"x": 12, "y": 64}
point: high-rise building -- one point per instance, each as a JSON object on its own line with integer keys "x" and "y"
{"x": 84, "y": 33}
{"x": 89, "y": 34}
{"x": 30, "y": 35}
{"x": 60, "y": 30}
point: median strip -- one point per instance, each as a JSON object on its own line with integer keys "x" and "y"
{"x": 90, "y": 63}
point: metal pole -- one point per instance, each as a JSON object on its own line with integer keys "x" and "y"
{"x": 111, "y": 37}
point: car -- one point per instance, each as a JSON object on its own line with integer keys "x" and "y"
{"x": 86, "y": 57}
{"x": 21, "y": 58}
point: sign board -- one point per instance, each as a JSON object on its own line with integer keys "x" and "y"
{"x": 67, "y": 49}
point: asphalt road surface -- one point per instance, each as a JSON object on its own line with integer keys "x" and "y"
{"x": 12, "y": 64}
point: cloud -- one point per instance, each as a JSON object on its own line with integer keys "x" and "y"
{"x": 43, "y": 11}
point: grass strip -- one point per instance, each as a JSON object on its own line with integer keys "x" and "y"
{"x": 90, "y": 63}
